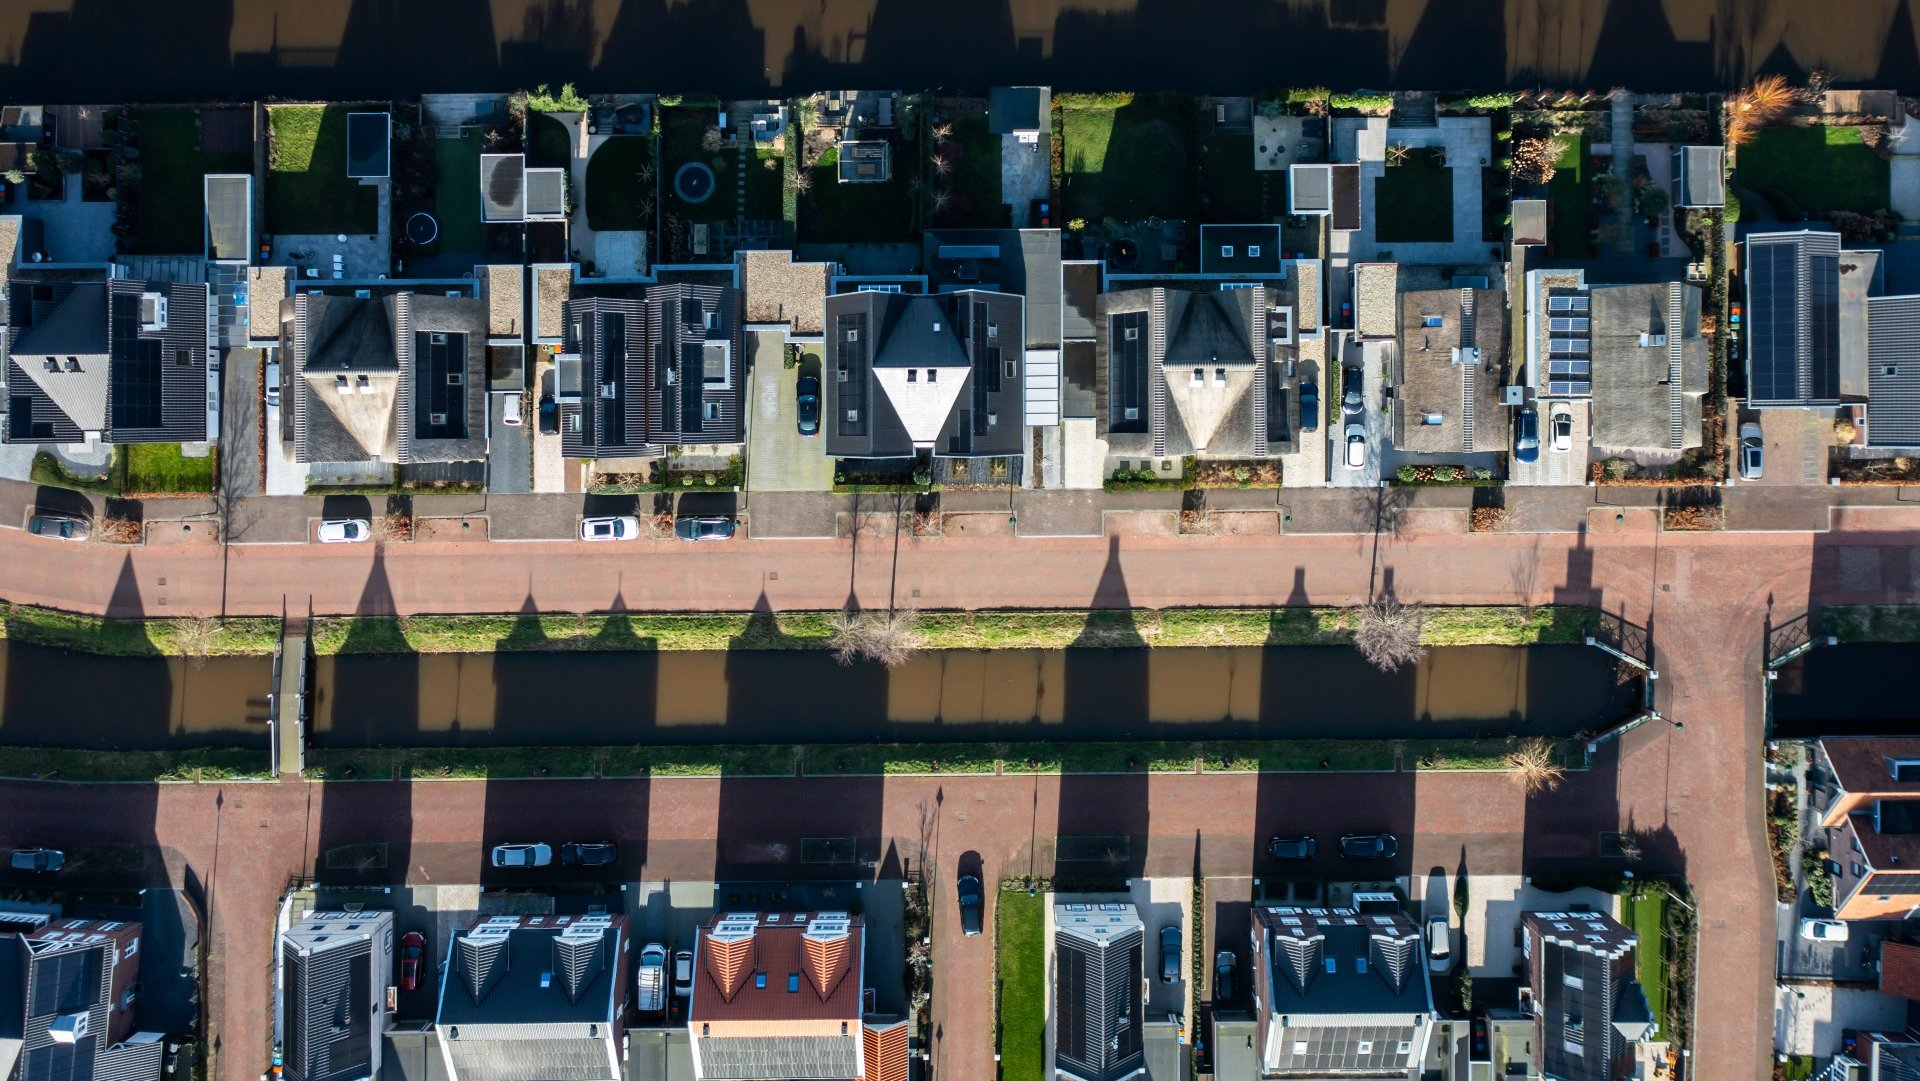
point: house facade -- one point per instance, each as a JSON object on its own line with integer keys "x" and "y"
{"x": 646, "y": 369}
{"x": 67, "y": 990}
{"x": 1339, "y": 993}
{"x": 1589, "y": 1010}
{"x": 1099, "y": 954}
{"x": 334, "y": 971}
{"x": 1872, "y": 820}
{"x": 535, "y": 998}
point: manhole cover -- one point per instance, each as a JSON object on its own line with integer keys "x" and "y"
{"x": 694, "y": 182}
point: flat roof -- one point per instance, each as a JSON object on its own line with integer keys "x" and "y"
{"x": 503, "y": 188}
{"x": 229, "y": 199}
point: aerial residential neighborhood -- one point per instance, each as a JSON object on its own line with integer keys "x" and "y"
{"x": 838, "y": 580}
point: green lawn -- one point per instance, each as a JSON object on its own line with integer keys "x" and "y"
{"x": 683, "y": 143}
{"x": 1020, "y": 950}
{"x": 620, "y": 178}
{"x": 548, "y": 145}
{"x": 764, "y": 180}
{"x": 456, "y": 194}
{"x": 974, "y": 185}
{"x": 1413, "y": 203}
{"x": 160, "y": 467}
{"x": 859, "y": 213}
{"x": 1814, "y": 170}
{"x": 1570, "y": 202}
{"x": 1231, "y": 191}
{"x": 1644, "y": 916}
{"x": 308, "y": 190}
{"x": 1127, "y": 163}
{"x": 171, "y": 202}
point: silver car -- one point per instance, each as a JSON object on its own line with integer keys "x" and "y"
{"x": 1356, "y": 446}
{"x": 609, "y": 529}
{"x": 1753, "y": 446}
{"x": 529, "y": 855}
{"x": 345, "y": 530}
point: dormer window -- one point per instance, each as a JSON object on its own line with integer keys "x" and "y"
{"x": 933, "y": 375}
{"x": 1253, "y": 251}
{"x": 1904, "y": 769}
{"x": 1226, "y": 251}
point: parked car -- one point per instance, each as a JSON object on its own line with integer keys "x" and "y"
{"x": 972, "y": 902}
{"x": 345, "y": 530}
{"x": 1309, "y": 406}
{"x": 536, "y": 854}
{"x": 683, "y": 974}
{"x": 510, "y": 411}
{"x": 549, "y": 415}
{"x": 590, "y": 854}
{"x": 1824, "y": 930}
{"x": 1753, "y": 446}
{"x": 1170, "y": 953}
{"x": 1560, "y": 429}
{"x": 59, "y": 527}
{"x": 806, "y": 404}
{"x": 704, "y": 529}
{"x": 1224, "y": 963}
{"x": 1439, "y": 943}
{"x": 1356, "y": 446}
{"x": 1293, "y": 848}
{"x": 623, "y": 527}
{"x": 1526, "y": 436}
{"x": 650, "y": 979}
{"x": 1353, "y": 401}
{"x": 38, "y": 860}
{"x": 273, "y": 385}
{"x": 413, "y": 954}
{"x": 1369, "y": 846}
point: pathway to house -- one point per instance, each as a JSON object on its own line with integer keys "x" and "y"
{"x": 1620, "y": 135}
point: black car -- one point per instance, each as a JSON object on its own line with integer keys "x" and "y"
{"x": 1293, "y": 848}
{"x": 1352, "y": 401}
{"x": 971, "y": 903}
{"x": 1223, "y": 966}
{"x": 591, "y": 854}
{"x": 704, "y": 529}
{"x": 1369, "y": 846}
{"x": 1170, "y": 953}
{"x": 549, "y": 415}
{"x": 807, "y": 404}
{"x": 1309, "y": 406}
{"x": 38, "y": 860}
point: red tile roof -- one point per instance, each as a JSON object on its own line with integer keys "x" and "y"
{"x": 779, "y": 951}
{"x": 1900, "y": 969}
{"x": 886, "y": 1051}
{"x": 1860, "y": 763}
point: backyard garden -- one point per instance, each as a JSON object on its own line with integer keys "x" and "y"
{"x": 621, "y": 184}
{"x": 1231, "y": 191}
{"x": 881, "y": 213}
{"x": 964, "y": 168}
{"x": 308, "y": 189}
{"x": 1814, "y": 170}
{"x": 1125, "y": 156}
{"x": 167, "y": 178}
{"x": 1021, "y": 987}
{"x": 1413, "y": 199}
{"x": 701, "y": 169}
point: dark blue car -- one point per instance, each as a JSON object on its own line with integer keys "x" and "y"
{"x": 1526, "y": 437}
{"x": 1309, "y": 405}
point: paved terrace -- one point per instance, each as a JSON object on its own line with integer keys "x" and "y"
{"x": 1704, "y": 597}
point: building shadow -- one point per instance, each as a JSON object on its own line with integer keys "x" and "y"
{"x": 368, "y": 693}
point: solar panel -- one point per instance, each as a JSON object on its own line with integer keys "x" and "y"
{"x": 1569, "y": 387}
{"x": 1569, "y": 366}
{"x": 136, "y": 364}
{"x": 64, "y": 982}
{"x": 1567, "y": 346}
{"x": 1773, "y": 271}
{"x": 850, "y": 334}
{"x": 693, "y": 375}
{"x": 1127, "y": 353}
{"x": 613, "y": 372}
{"x": 1822, "y": 379}
{"x": 439, "y": 385}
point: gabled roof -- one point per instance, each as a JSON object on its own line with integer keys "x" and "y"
{"x": 535, "y": 998}
{"x": 1793, "y": 318}
{"x": 1344, "y": 991}
{"x": 1867, "y": 763}
{"x": 1590, "y": 1008}
{"x": 779, "y": 995}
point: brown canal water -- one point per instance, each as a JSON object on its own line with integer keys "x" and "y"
{"x": 59, "y": 698}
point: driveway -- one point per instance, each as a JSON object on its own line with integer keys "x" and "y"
{"x": 779, "y": 458}
{"x": 240, "y": 423}
{"x": 510, "y": 453}
{"x": 1556, "y": 467}
{"x": 1796, "y": 446}
{"x": 1379, "y": 431}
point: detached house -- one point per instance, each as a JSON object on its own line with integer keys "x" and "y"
{"x": 1099, "y": 954}
{"x": 334, "y": 971}
{"x": 1449, "y": 370}
{"x": 1589, "y": 1010}
{"x": 780, "y": 995}
{"x": 535, "y": 998}
{"x": 1339, "y": 993}
{"x": 643, "y": 371}
{"x": 1872, "y": 818}
{"x": 399, "y": 378}
{"x": 97, "y": 358}
{"x": 67, "y": 989}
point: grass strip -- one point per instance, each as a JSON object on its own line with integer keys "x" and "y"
{"x": 1873, "y": 622}
{"x": 72, "y": 764}
{"x": 237, "y": 637}
{"x": 1020, "y": 956}
{"x": 1646, "y": 916}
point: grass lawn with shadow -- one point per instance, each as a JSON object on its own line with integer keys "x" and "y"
{"x": 1129, "y": 162}
{"x": 1646, "y": 915}
{"x": 837, "y": 213}
{"x": 160, "y": 467}
{"x": 1814, "y": 171}
{"x": 764, "y": 180}
{"x": 683, "y": 143}
{"x": 1413, "y": 202}
{"x": 1231, "y": 191}
{"x": 1570, "y": 201}
{"x": 170, "y": 199}
{"x": 549, "y": 146}
{"x": 456, "y": 194}
{"x": 308, "y": 189}
{"x": 620, "y": 184}
{"x": 1020, "y": 945}
{"x": 974, "y": 184}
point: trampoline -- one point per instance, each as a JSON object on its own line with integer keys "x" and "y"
{"x": 1123, "y": 255}
{"x": 694, "y": 182}
{"x": 422, "y": 229}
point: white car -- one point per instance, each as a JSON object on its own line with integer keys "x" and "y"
{"x": 510, "y": 411}
{"x": 533, "y": 855}
{"x": 273, "y": 385}
{"x": 1560, "y": 431}
{"x": 345, "y": 530}
{"x": 1823, "y": 930}
{"x": 1439, "y": 944}
{"x": 626, "y": 527}
{"x": 1356, "y": 446}
{"x": 683, "y": 973}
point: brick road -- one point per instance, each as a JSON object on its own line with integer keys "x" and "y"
{"x": 1704, "y": 597}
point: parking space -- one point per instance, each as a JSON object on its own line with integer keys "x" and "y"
{"x": 510, "y": 453}
{"x": 1854, "y": 960}
{"x": 1796, "y": 443}
{"x": 1556, "y": 466}
{"x": 1164, "y": 903}
{"x": 779, "y": 458}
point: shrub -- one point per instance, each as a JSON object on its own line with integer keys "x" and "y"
{"x": 1387, "y": 633}
{"x": 1534, "y": 159}
{"x": 1534, "y": 768}
{"x": 1504, "y": 135}
{"x": 1406, "y": 474}
{"x": 1362, "y": 102}
{"x": 1490, "y": 101}
{"x": 1270, "y": 107}
{"x": 1483, "y": 473}
{"x": 566, "y": 101}
{"x": 1308, "y": 95}
{"x": 1444, "y": 473}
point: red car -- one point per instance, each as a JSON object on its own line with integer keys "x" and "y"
{"x": 413, "y": 953}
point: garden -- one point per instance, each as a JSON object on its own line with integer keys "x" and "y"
{"x": 1125, "y": 156}
{"x": 621, "y": 181}
{"x": 456, "y": 193}
{"x": 701, "y": 170}
{"x": 308, "y": 189}
{"x": 1020, "y": 991}
{"x": 1570, "y": 199}
{"x": 1413, "y": 199}
{"x": 965, "y": 166}
{"x": 1231, "y": 190}
{"x": 167, "y": 178}
{"x": 1814, "y": 170}
{"x": 857, "y": 213}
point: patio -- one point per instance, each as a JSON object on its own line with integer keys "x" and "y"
{"x": 1465, "y": 141}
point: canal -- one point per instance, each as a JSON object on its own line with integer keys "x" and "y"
{"x": 1846, "y": 691}
{"x": 802, "y": 696}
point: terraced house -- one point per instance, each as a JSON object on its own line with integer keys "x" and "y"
{"x": 649, "y": 368}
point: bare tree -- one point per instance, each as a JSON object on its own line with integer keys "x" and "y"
{"x": 1534, "y": 767}
{"x": 1387, "y": 632}
{"x": 1397, "y": 153}
{"x": 888, "y": 637}
{"x": 1535, "y": 160}
{"x": 195, "y": 638}
{"x": 801, "y": 181}
{"x": 393, "y": 528}
{"x": 942, "y": 131}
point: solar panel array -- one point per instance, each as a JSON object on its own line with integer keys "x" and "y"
{"x": 850, "y": 394}
{"x": 1821, "y": 380}
{"x": 439, "y": 385}
{"x": 613, "y": 353}
{"x": 137, "y": 376}
{"x": 1793, "y": 343}
{"x": 1127, "y": 393}
{"x": 1569, "y": 345}
{"x": 64, "y": 982}
{"x": 693, "y": 376}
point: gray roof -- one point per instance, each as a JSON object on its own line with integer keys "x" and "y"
{"x": 1021, "y": 261}
{"x": 1215, "y": 332}
{"x": 1019, "y": 108}
{"x": 1434, "y": 377}
{"x": 229, "y": 217}
{"x": 1236, "y": 1054}
{"x": 1702, "y": 174}
{"x": 1080, "y": 301}
{"x": 1586, "y": 992}
{"x": 653, "y": 373}
{"x": 1249, "y": 250}
{"x": 1099, "y": 961}
{"x": 1167, "y": 1058}
{"x": 546, "y": 193}
{"x": 411, "y": 1055}
{"x": 13, "y": 955}
{"x": 1793, "y": 318}
{"x": 750, "y": 1058}
{"x": 1634, "y": 346}
{"x": 1310, "y": 188}
{"x": 503, "y": 188}
{"x": 1341, "y": 990}
{"x": 1893, "y": 371}
{"x": 520, "y": 1003}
